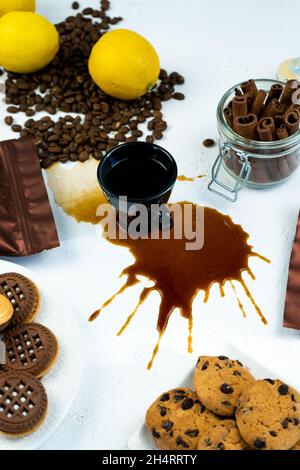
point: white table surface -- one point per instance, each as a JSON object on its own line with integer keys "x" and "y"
{"x": 214, "y": 44}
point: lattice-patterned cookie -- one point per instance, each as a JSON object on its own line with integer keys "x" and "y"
{"x": 23, "y": 403}
{"x": 23, "y": 295}
{"x": 30, "y": 347}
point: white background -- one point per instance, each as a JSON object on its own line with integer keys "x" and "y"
{"x": 214, "y": 44}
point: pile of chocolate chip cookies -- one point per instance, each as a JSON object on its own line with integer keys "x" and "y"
{"x": 229, "y": 410}
{"x": 27, "y": 352}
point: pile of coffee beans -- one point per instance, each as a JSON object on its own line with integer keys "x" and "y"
{"x": 100, "y": 121}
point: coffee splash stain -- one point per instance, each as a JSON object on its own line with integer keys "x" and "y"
{"x": 179, "y": 275}
{"x": 189, "y": 178}
{"x": 76, "y": 190}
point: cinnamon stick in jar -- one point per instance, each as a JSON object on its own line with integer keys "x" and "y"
{"x": 290, "y": 87}
{"x": 275, "y": 92}
{"x": 258, "y": 103}
{"x": 249, "y": 86}
{"x": 246, "y": 126}
{"x": 239, "y": 106}
{"x": 281, "y": 132}
{"x": 228, "y": 116}
{"x": 274, "y": 107}
{"x": 266, "y": 129}
{"x": 291, "y": 122}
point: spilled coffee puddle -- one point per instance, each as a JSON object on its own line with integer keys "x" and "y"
{"x": 189, "y": 179}
{"x": 178, "y": 275}
{"x": 76, "y": 190}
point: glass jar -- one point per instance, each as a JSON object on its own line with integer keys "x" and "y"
{"x": 251, "y": 163}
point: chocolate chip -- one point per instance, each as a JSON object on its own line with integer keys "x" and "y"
{"x": 181, "y": 443}
{"x": 162, "y": 411}
{"x": 179, "y": 391}
{"x": 270, "y": 381}
{"x": 165, "y": 397}
{"x": 205, "y": 365}
{"x": 220, "y": 446}
{"x": 209, "y": 143}
{"x": 259, "y": 444}
{"x": 293, "y": 397}
{"x": 239, "y": 363}
{"x": 273, "y": 433}
{"x": 167, "y": 425}
{"x": 207, "y": 442}
{"x": 187, "y": 404}
{"x": 285, "y": 423}
{"x": 192, "y": 433}
{"x": 237, "y": 373}
{"x": 283, "y": 389}
{"x": 226, "y": 388}
{"x": 223, "y": 358}
{"x": 226, "y": 403}
{"x": 155, "y": 434}
{"x": 296, "y": 421}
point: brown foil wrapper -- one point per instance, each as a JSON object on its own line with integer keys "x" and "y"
{"x": 26, "y": 222}
{"x": 292, "y": 301}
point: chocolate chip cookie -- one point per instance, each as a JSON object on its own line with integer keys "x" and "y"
{"x": 268, "y": 415}
{"x": 219, "y": 381}
{"x": 177, "y": 419}
{"x": 222, "y": 436}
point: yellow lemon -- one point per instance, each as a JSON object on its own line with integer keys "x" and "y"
{"x": 124, "y": 64}
{"x": 16, "y": 5}
{"x": 28, "y": 42}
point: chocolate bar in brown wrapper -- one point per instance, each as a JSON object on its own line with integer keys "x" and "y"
{"x": 26, "y": 221}
{"x": 292, "y": 301}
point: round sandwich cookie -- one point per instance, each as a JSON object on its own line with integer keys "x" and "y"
{"x": 23, "y": 294}
{"x": 30, "y": 347}
{"x": 222, "y": 436}
{"x": 177, "y": 419}
{"x": 219, "y": 381}
{"x": 23, "y": 404}
{"x": 6, "y": 312}
{"x": 268, "y": 415}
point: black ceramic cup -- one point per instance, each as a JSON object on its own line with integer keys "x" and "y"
{"x": 144, "y": 173}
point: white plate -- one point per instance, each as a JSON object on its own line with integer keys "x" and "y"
{"x": 141, "y": 440}
{"x": 63, "y": 379}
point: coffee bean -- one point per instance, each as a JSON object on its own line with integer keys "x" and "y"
{"x": 178, "y": 96}
{"x": 227, "y": 389}
{"x": 157, "y": 134}
{"x": 8, "y": 120}
{"x": 283, "y": 389}
{"x": 16, "y": 128}
{"x": 150, "y": 139}
{"x": 12, "y": 109}
{"x": 208, "y": 143}
{"x": 259, "y": 444}
{"x": 75, "y": 5}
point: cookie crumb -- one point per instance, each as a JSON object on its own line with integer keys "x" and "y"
{"x": 208, "y": 143}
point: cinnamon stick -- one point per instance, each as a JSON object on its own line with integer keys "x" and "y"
{"x": 281, "y": 132}
{"x": 246, "y": 126}
{"x": 239, "y": 106}
{"x": 275, "y": 92}
{"x": 266, "y": 129}
{"x": 258, "y": 102}
{"x": 286, "y": 97}
{"x": 249, "y": 85}
{"x": 291, "y": 121}
{"x": 228, "y": 116}
{"x": 274, "y": 107}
